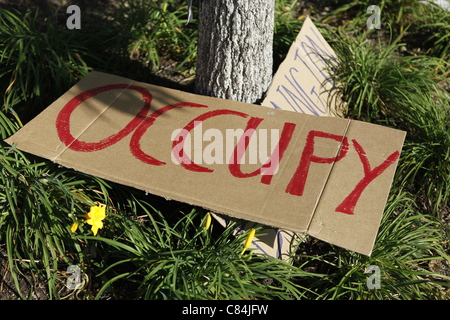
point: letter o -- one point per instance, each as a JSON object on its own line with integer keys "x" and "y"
{"x": 63, "y": 119}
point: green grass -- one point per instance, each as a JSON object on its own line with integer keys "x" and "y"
{"x": 152, "y": 249}
{"x": 184, "y": 261}
{"x": 407, "y": 241}
{"x": 38, "y": 61}
{"x": 155, "y": 30}
{"x": 380, "y": 86}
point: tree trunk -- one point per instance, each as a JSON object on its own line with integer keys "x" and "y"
{"x": 235, "y": 49}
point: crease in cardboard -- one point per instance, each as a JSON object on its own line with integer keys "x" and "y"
{"x": 58, "y": 157}
{"x": 326, "y": 180}
{"x": 285, "y": 164}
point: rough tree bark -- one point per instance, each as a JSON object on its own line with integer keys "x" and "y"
{"x": 235, "y": 48}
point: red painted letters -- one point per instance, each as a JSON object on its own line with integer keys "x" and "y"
{"x": 144, "y": 119}
{"x": 298, "y": 181}
{"x": 348, "y": 205}
{"x": 63, "y": 119}
{"x": 178, "y": 144}
{"x": 135, "y": 142}
{"x": 267, "y": 170}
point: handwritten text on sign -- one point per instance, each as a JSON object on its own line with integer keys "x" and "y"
{"x": 302, "y": 83}
{"x": 144, "y": 119}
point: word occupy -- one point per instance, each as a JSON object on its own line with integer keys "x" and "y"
{"x": 143, "y": 120}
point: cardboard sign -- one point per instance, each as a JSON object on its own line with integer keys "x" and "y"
{"x": 302, "y": 82}
{"x": 324, "y": 176}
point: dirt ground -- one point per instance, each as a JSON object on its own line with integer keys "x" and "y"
{"x": 8, "y": 289}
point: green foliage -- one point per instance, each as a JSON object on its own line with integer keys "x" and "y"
{"x": 150, "y": 31}
{"x": 38, "y": 61}
{"x": 426, "y": 22}
{"x": 407, "y": 241}
{"x": 37, "y": 203}
{"x": 436, "y": 29}
{"x": 182, "y": 260}
{"x": 380, "y": 86}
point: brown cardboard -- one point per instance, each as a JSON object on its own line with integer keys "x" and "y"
{"x": 332, "y": 179}
{"x": 302, "y": 82}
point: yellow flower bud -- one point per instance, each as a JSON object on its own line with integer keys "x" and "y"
{"x": 208, "y": 221}
{"x": 248, "y": 241}
{"x": 74, "y": 227}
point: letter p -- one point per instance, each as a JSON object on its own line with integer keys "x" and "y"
{"x": 297, "y": 184}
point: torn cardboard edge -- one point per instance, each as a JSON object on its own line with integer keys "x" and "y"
{"x": 272, "y": 242}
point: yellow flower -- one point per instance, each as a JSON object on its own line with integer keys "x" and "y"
{"x": 95, "y": 216}
{"x": 248, "y": 241}
{"x": 74, "y": 227}
{"x": 208, "y": 221}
